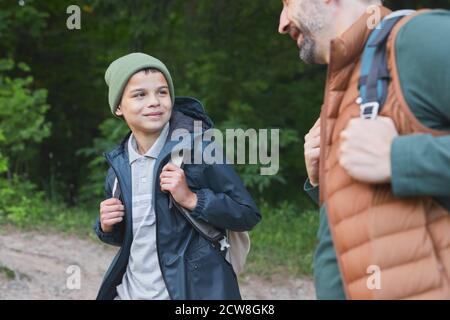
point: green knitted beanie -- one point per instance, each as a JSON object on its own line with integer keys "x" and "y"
{"x": 122, "y": 69}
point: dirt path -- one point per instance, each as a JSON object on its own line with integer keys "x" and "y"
{"x": 38, "y": 265}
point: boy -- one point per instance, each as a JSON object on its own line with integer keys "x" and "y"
{"x": 161, "y": 256}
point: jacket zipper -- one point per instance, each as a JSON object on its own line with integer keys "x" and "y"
{"x": 323, "y": 143}
{"x": 156, "y": 218}
{"x": 323, "y": 156}
{"x": 157, "y": 231}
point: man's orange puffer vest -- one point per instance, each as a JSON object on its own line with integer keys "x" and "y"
{"x": 407, "y": 239}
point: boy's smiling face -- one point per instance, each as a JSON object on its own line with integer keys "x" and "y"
{"x": 146, "y": 104}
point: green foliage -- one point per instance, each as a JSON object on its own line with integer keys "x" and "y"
{"x": 112, "y": 131}
{"x": 21, "y": 108}
{"x": 251, "y": 174}
{"x": 22, "y": 115}
{"x": 22, "y": 205}
{"x": 20, "y": 24}
{"x": 284, "y": 240}
{"x": 22, "y": 124}
{"x": 20, "y": 202}
{"x": 3, "y": 160}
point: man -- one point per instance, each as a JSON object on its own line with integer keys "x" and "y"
{"x": 384, "y": 183}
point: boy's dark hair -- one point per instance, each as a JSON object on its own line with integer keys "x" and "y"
{"x": 152, "y": 70}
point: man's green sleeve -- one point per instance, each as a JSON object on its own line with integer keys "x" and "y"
{"x": 313, "y": 192}
{"x": 421, "y": 166}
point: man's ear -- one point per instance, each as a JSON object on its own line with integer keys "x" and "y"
{"x": 118, "y": 112}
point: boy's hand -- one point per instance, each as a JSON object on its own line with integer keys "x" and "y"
{"x": 312, "y": 153}
{"x": 173, "y": 180}
{"x": 111, "y": 213}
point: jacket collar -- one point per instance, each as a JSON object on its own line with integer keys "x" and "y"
{"x": 154, "y": 150}
{"x": 348, "y": 47}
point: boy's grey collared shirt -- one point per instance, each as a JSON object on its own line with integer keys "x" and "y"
{"x": 143, "y": 278}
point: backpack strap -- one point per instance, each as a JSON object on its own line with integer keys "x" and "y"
{"x": 374, "y": 77}
{"x": 116, "y": 188}
{"x": 209, "y": 232}
{"x": 206, "y": 230}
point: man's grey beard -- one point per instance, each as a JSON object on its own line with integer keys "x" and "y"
{"x": 308, "y": 50}
{"x": 312, "y": 22}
